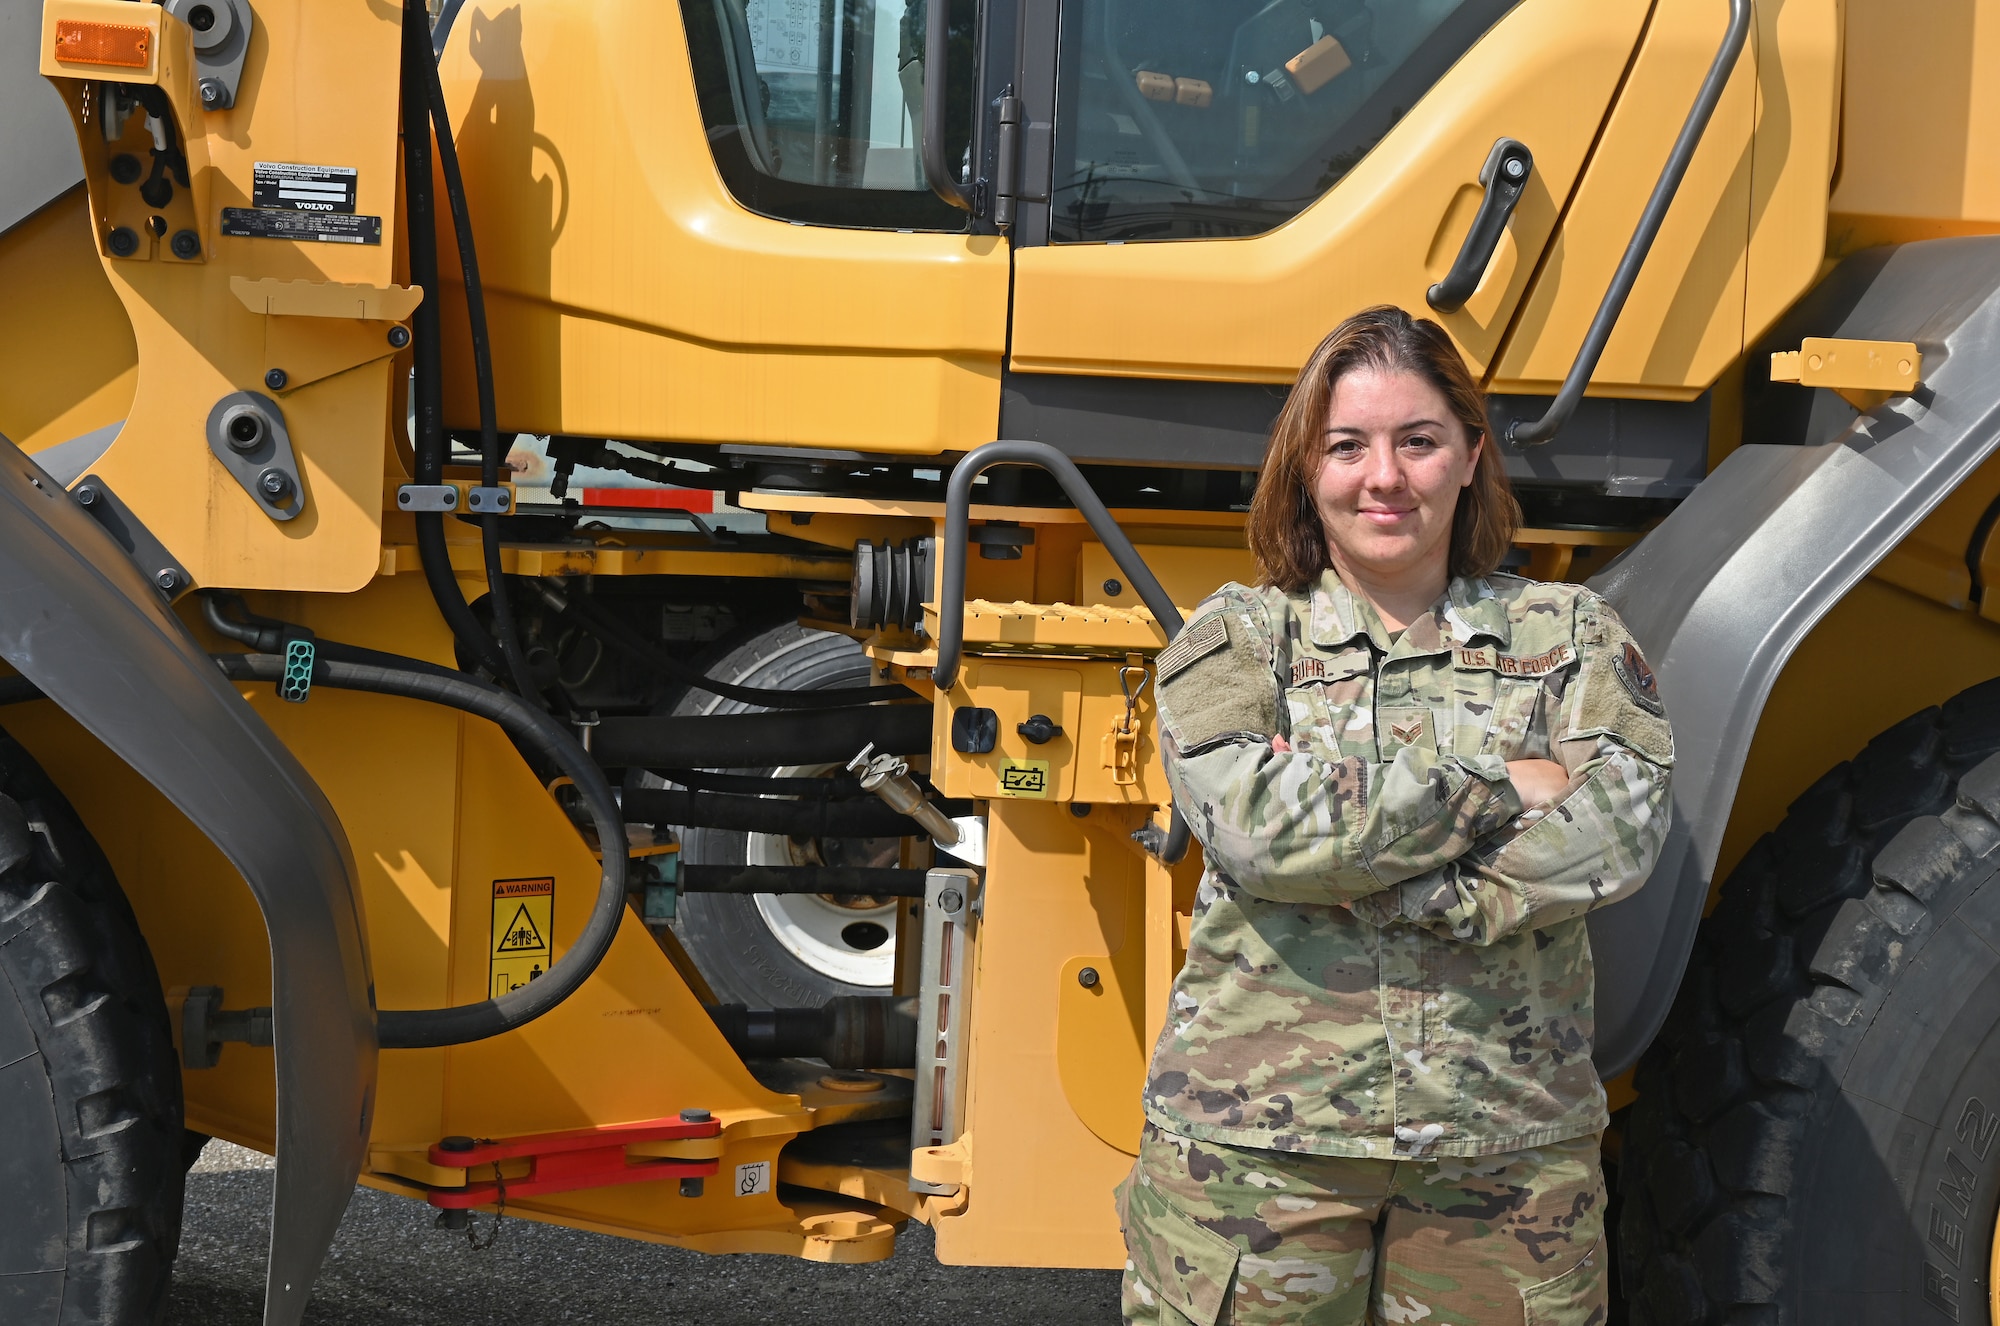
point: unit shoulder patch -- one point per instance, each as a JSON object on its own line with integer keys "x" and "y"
{"x": 1630, "y": 665}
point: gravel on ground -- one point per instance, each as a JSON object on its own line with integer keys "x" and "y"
{"x": 390, "y": 1267}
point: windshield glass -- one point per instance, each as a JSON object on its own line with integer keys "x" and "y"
{"x": 1180, "y": 119}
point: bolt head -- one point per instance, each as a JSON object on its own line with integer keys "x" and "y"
{"x": 211, "y": 92}
{"x": 1114, "y": 587}
{"x": 275, "y": 484}
{"x": 86, "y": 495}
{"x": 1516, "y": 168}
{"x": 950, "y": 900}
{"x": 276, "y": 379}
{"x": 167, "y": 578}
{"x": 1087, "y": 978}
{"x": 399, "y": 336}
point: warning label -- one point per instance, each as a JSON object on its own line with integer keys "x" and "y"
{"x": 293, "y": 188}
{"x": 523, "y": 916}
{"x": 1024, "y": 778}
{"x": 307, "y": 227}
{"x": 753, "y": 1179}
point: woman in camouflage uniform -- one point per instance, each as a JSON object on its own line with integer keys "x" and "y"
{"x": 1411, "y": 777}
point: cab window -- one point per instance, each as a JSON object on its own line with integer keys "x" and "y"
{"x": 1184, "y": 119}
{"x": 813, "y": 107}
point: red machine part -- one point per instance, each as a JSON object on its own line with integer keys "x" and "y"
{"x": 561, "y": 1162}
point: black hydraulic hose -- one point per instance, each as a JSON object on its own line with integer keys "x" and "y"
{"x": 266, "y": 635}
{"x": 411, "y": 1029}
{"x": 427, "y": 347}
{"x": 951, "y": 582}
{"x": 504, "y": 626}
{"x": 838, "y": 881}
{"x": 580, "y": 610}
{"x": 758, "y": 741}
{"x": 857, "y": 818}
{"x": 1541, "y": 430}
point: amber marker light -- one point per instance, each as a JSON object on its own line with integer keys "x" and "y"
{"x": 115, "y": 44}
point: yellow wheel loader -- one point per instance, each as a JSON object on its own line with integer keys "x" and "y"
{"x": 580, "y": 579}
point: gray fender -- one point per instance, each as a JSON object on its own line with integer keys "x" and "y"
{"x": 1721, "y": 594}
{"x": 78, "y": 620}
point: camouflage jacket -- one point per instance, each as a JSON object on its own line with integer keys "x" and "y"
{"x": 1388, "y": 956}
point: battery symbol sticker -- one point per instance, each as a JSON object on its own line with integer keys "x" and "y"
{"x": 523, "y": 918}
{"x": 1024, "y": 778}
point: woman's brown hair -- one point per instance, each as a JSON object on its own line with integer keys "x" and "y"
{"x": 1286, "y": 537}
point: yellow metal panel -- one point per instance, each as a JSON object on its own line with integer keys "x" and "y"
{"x": 325, "y": 299}
{"x": 1063, "y": 887}
{"x": 1920, "y": 123}
{"x": 198, "y": 343}
{"x": 1015, "y": 691}
{"x": 1189, "y": 574}
{"x": 67, "y": 344}
{"x": 632, "y": 297}
{"x": 1798, "y": 50}
{"x": 1684, "y": 321}
{"x": 1252, "y": 309}
{"x": 1103, "y": 1042}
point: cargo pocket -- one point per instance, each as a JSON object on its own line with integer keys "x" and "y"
{"x": 1189, "y": 1268}
{"x": 1574, "y": 1298}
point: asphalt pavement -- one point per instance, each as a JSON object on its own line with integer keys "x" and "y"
{"x": 389, "y": 1267}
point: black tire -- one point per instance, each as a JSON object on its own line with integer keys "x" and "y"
{"x": 1817, "y": 1135}
{"x": 91, "y": 1172}
{"x": 729, "y": 936}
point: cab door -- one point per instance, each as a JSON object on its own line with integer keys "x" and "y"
{"x": 1229, "y": 178}
{"x": 706, "y": 222}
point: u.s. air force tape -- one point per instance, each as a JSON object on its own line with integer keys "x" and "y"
{"x": 1197, "y": 642}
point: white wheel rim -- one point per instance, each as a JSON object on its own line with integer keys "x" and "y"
{"x": 809, "y": 927}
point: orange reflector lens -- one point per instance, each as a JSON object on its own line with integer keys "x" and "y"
{"x": 116, "y": 44}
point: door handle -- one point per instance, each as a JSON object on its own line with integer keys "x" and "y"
{"x": 1504, "y": 176}
{"x": 942, "y": 176}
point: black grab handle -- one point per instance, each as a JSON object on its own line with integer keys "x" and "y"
{"x": 958, "y": 519}
{"x": 939, "y": 173}
{"x": 1168, "y": 847}
{"x": 1505, "y": 177}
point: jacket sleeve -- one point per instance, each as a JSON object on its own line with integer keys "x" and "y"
{"x": 1291, "y": 826}
{"x": 1597, "y": 843}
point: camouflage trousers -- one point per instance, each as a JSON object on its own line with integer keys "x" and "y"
{"x": 1221, "y": 1234}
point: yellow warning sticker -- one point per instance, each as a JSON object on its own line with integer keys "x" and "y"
{"x": 523, "y": 918}
{"x": 1024, "y": 778}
